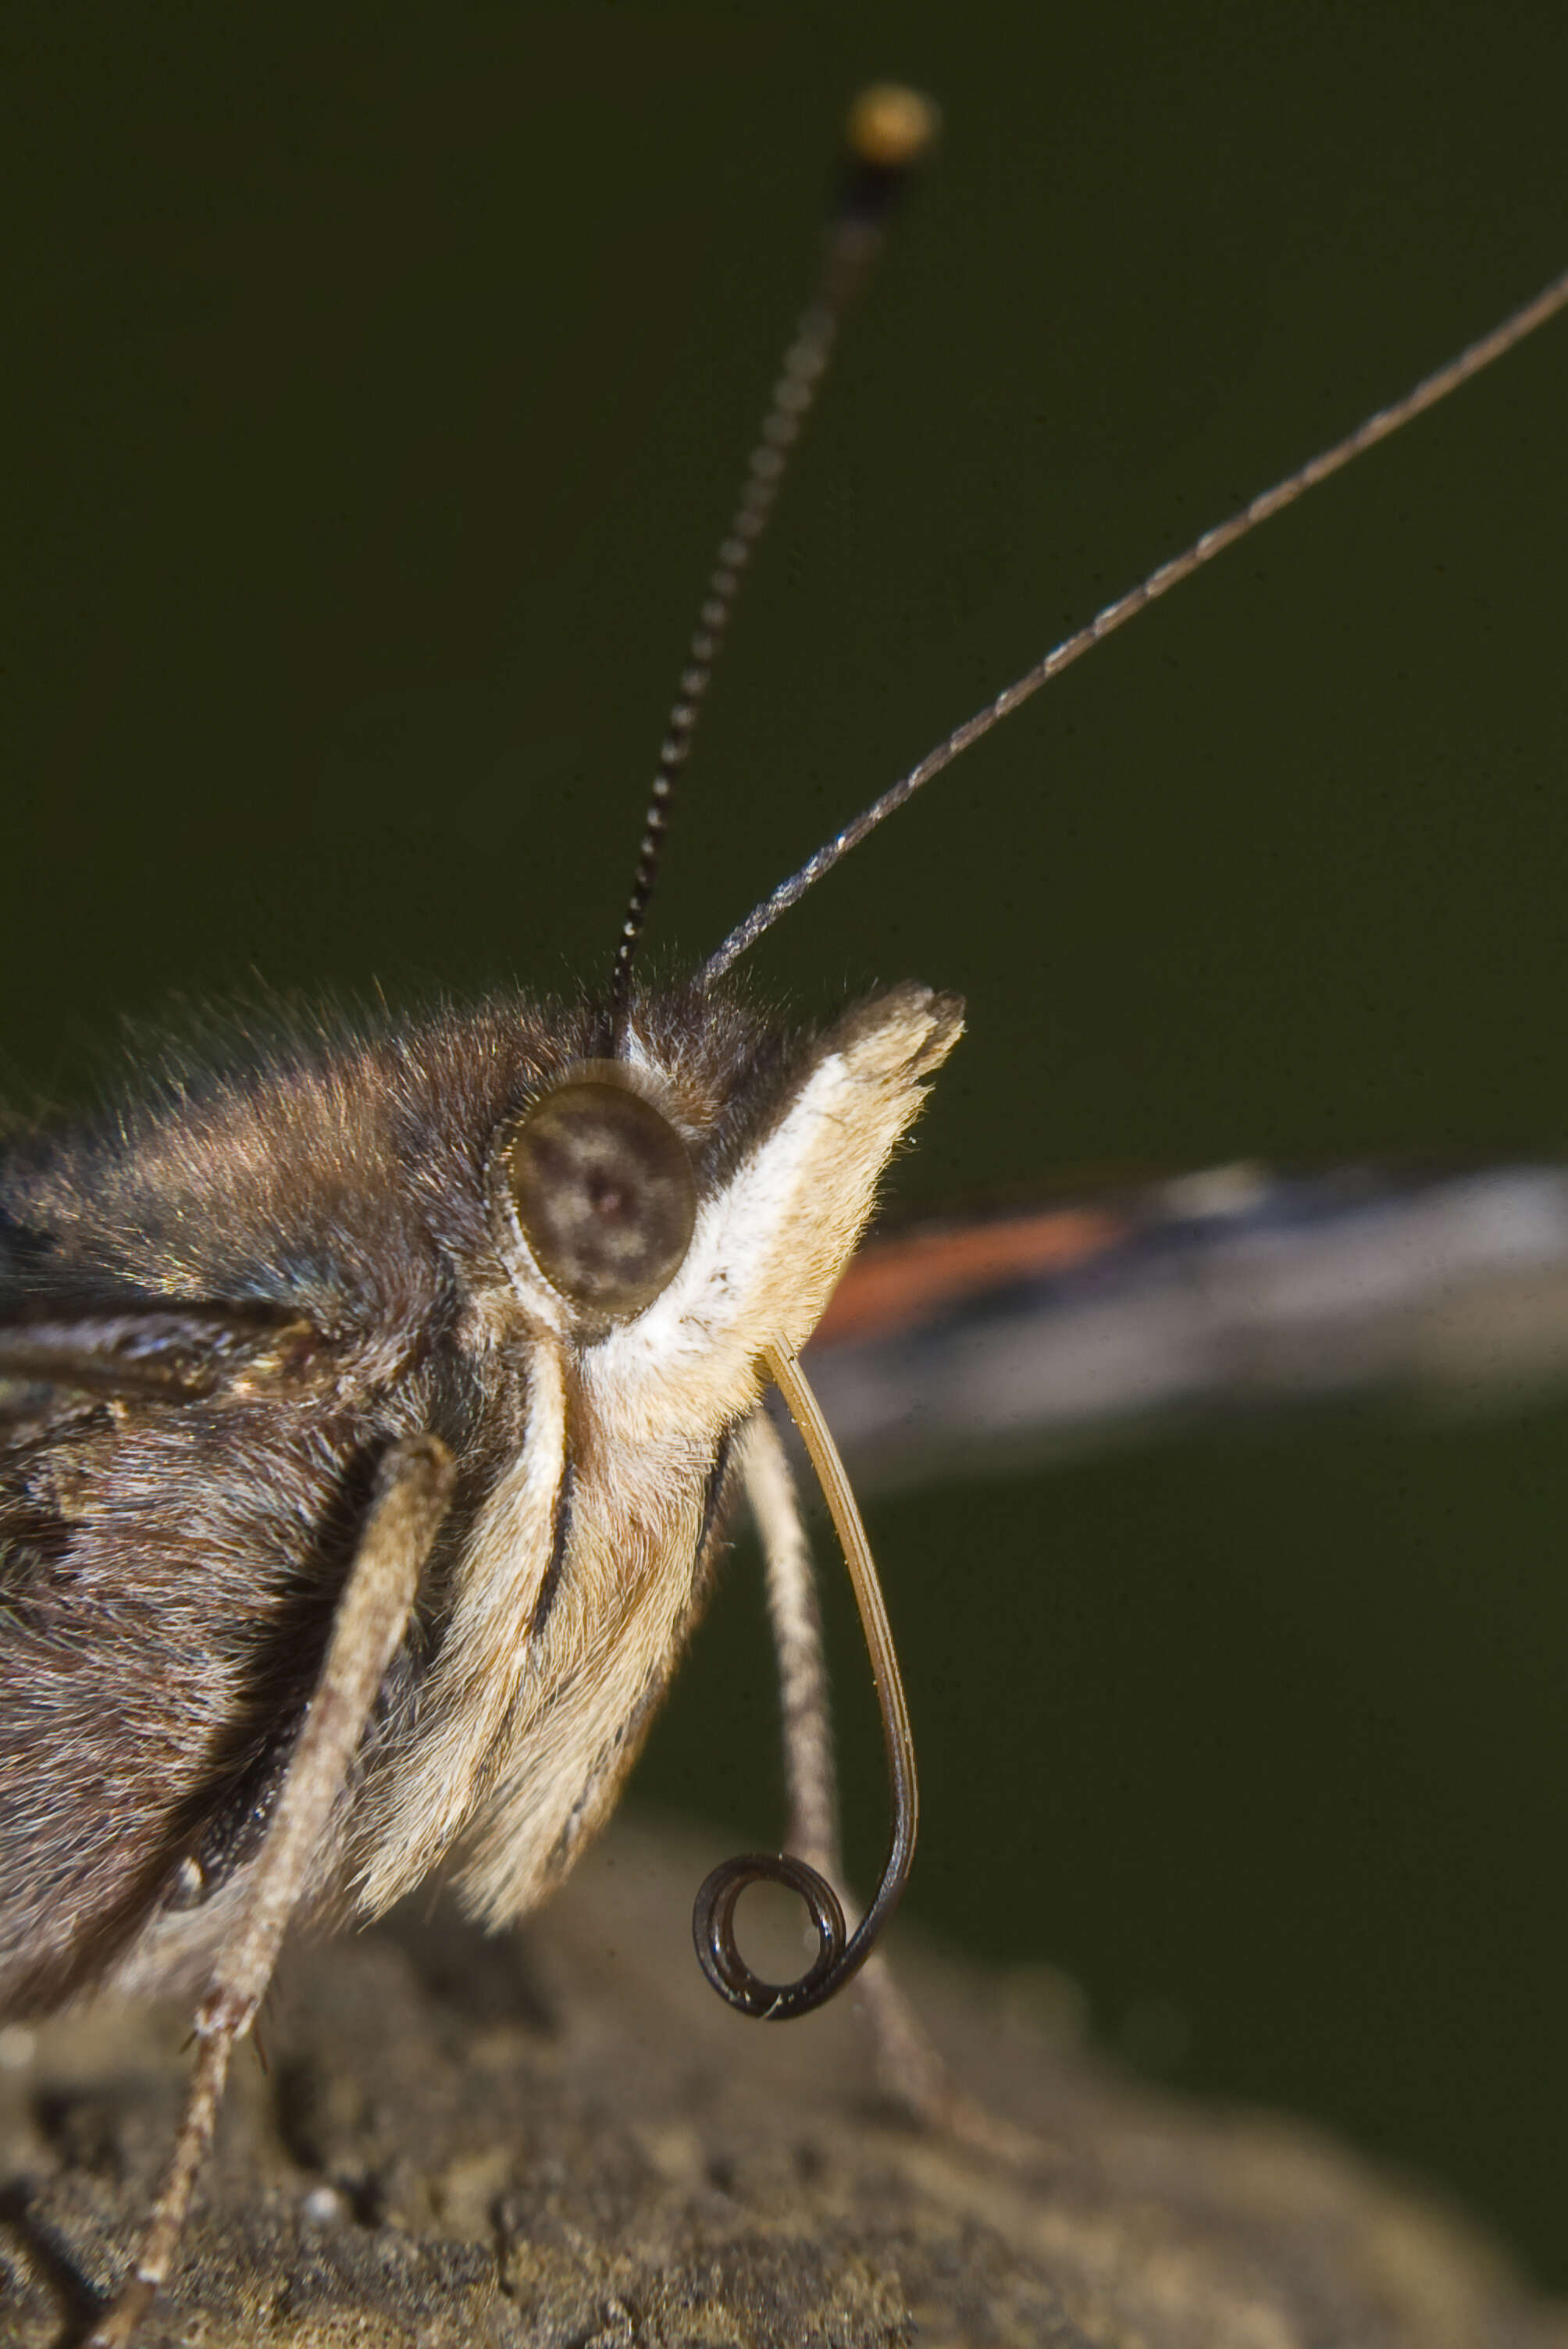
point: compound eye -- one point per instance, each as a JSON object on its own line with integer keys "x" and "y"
{"x": 604, "y": 1193}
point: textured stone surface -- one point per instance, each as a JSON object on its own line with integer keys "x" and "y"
{"x": 563, "y": 2140}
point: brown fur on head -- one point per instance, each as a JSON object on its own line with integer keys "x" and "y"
{"x": 315, "y": 1246}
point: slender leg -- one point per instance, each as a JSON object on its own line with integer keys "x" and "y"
{"x": 415, "y": 1482}
{"x": 910, "y": 2070}
{"x": 795, "y": 1618}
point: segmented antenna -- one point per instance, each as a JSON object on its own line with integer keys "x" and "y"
{"x": 1424, "y": 394}
{"x": 888, "y": 130}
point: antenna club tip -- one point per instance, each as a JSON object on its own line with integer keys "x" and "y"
{"x": 890, "y": 128}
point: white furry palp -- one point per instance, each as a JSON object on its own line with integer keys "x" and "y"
{"x": 528, "y": 1726}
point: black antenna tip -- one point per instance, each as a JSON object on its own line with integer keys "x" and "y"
{"x": 890, "y": 130}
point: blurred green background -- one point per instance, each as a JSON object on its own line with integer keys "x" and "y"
{"x": 379, "y": 381}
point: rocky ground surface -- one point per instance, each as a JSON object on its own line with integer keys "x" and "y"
{"x": 563, "y": 2140}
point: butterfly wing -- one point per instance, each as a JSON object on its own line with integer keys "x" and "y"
{"x": 968, "y": 1346}
{"x": 171, "y": 1545}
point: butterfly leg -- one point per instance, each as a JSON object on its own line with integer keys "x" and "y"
{"x": 411, "y": 1498}
{"x": 795, "y": 1620}
{"x": 911, "y": 2071}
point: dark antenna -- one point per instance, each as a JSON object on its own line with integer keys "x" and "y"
{"x": 888, "y": 130}
{"x": 1422, "y": 395}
